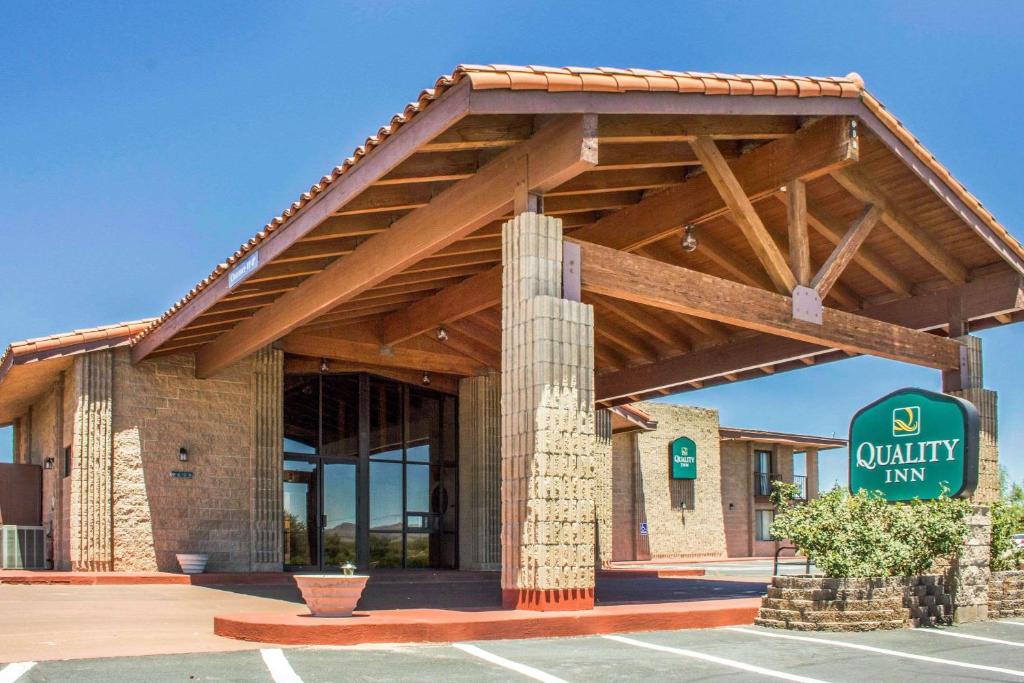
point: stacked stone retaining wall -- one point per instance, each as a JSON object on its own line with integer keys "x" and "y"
{"x": 814, "y": 603}
{"x": 1006, "y": 594}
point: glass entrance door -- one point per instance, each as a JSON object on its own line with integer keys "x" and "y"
{"x": 370, "y": 474}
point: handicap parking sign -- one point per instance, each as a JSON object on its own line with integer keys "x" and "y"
{"x": 643, "y": 528}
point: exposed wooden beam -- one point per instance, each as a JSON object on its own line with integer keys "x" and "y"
{"x": 367, "y": 352}
{"x": 458, "y": 301}
{"x": 799, "y": 243}
{"x": 979, "y": 299}
{"x": 441, "y": 115}
{"x": 744, "y": 214}
{"x": 675, "y": 128}
{"x": 564, "y": 148}
{"x": 635, "y": 278}
{"x": 816, "y": 149}
{"x": 897, "y": 220}
{"x": 303, "y": 365}
{"x": 845, "y": 251}
{"x": 867, "y": 258}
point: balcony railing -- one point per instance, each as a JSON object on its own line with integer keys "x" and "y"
{"x": 763, "y": 483}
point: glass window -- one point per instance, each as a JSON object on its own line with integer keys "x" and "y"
{"x": 300, "y": 504}
{"x": 424, "y": 426}
{"x": 764, "y": 523}
{"x": 385, "y": 421}
{"x": 385, "y": 551}
{"x": 341, "y": 416}
{"x": 386, "y": 496}
{"x": 417, "y": 551}
{"x": 301, "y": 414}
{"x": 417, "y": 488}
{"x": 339, "y": 513}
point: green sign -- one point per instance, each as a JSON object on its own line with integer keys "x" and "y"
{"x": 913, "y": 442}
{"x": 684, "y": 458}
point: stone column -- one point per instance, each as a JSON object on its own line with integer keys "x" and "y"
{"x": 969, "y": 571}
{"x": 92, "y": 524}
{"x": 267, "y": 551}
{"x": 547, "y": 426}
{"x": 603, "y": 486}
{"x": 480, "y": 473}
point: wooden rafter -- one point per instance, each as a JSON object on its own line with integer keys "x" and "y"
{"x": 799, "y": 242}
{"x": 845, "y": 250}
{"x": 867, "y": 258}
{"x": 897, "y": 220}
{"x": 564, "y": 148}
{"x": 319, "y": 346}
{"x": 744, "y": 214}
{"x": 635, "y": 278}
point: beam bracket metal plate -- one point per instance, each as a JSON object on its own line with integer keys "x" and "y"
{"x": 807, "y": 305}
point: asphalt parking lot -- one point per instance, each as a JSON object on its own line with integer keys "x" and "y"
{"x": 992, "y": 651}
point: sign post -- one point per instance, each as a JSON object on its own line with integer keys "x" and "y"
{"x": 683, "y": 458}
{"x": 913, "y": 443}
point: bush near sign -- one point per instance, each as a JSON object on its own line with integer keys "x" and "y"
{"x": 913, "y": 443}
{"x": 683, "y": 453}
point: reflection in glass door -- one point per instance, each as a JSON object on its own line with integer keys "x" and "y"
{"x": 301, "y": 516}
{"x": 339, "y": 513}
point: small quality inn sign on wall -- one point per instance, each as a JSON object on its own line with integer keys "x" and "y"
{"x": 684, "y": 458}
{"x": 912, "y": 443}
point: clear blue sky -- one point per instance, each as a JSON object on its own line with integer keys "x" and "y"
{"x": 140, "y": 143}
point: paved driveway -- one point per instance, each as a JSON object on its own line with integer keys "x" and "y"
{"x": 991, "y": 651}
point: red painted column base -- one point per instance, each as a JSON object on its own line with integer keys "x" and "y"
{"x": 548, "y": 600}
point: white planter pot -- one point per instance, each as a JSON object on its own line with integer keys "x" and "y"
{"x": 192, "y": 563}
{"x": 331, "y": 595}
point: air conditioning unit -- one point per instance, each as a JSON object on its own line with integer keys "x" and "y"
{"x": 22, "y": 547}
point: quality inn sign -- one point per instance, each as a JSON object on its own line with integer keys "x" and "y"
{"x": 912, "y": 444}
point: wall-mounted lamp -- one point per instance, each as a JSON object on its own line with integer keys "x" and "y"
{"x": 426, "y": 379}
{"x": 442, "y": 334}
{"x": 324, "y": 366}
{"x": 732, "y": 506}
{"x": 48, "y": 464}
{"x": 183, "y": 454}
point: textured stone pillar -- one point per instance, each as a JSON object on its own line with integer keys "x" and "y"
{"x": 480, "y": 473}
{"x": 603, "y": 486}
{"x": 547, "y": 426}
{"x": 969, "y": 570}
{"x": 267, "y": 434}
{"x": 92, "y": 523}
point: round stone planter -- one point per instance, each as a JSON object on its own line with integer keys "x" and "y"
{"x": 817, "y": 603}
{"x": 192, "y": 563}
{"x": 331, "y": 595}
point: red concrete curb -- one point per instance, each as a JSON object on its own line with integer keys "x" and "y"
{"x": 141, "y": 578}
{"x": 445, "y": 626}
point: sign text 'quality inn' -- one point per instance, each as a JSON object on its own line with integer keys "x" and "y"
{"x": 914, "y": 443}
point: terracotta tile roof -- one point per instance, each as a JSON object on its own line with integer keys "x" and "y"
{"x": 601, "y": 79}
{"x": 116, "y": 335}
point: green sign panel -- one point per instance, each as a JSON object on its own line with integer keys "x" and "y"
{"x": 684, "y": 458}
{"x": 913, "y": 442}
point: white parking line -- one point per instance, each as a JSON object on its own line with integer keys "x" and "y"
{"x": 14, "y": 671}
{"x": 523, "y": 669}
{"x": 940, "y": 632}
{"x": 879, "y": 650}
{"x": 280, "y": 670}
{"x": 716, "y": 660}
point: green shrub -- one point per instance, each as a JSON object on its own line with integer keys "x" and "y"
{"x": 1007, "y": 520}
{"x": 863, "y": 535}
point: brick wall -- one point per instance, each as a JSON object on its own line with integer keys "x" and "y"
{"x": 158, "y": 408}
{"x": 737, "y": 498}
{"x": 676, "y": 533}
